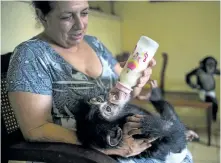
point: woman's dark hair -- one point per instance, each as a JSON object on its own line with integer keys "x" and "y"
{"x": 44, "y": 6}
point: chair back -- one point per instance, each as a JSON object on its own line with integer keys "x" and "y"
{"x": 163, "y": 72}
{"x": 9, "y": 128}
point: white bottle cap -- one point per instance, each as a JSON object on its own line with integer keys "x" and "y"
{"x": 148, "y": 42}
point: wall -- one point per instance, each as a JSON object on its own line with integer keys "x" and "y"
{"x": 104, "y": 5}
{"x": 106, "y": 28}
{"x": 187, "y": 31}
{"x": 19, "y": 25}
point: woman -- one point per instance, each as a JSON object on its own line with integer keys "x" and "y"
{"x": 49, "y": 73}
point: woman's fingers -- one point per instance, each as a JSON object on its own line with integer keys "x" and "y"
{"x": 152, "y": 62}
{"x": 147, "y": 72}
{"x": 144, "y": 97}
{"x": 145, "y": 77}
{"x": 138, "y": 147}
{"x": 150, "y": 140}
{"x": 135, "y": 132}
{"x": 135, "y": 118}
{"x": 139, "y": 115}
{"x": 130, "y": 126}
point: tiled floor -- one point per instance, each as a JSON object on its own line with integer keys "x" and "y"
{"x": 200, "y": 151}
{"x": 203, "y": 153}
{"x": 196, "y": 119}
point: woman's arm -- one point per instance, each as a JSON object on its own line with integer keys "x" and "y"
{"x": 33, "y": 112}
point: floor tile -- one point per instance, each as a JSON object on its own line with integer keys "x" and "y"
{"x": 202, "y": 152}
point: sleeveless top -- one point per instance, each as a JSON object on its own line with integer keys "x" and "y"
{"x": 37, "y": 68}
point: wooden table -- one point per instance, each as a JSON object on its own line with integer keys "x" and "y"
{"x": 182, "y": 99}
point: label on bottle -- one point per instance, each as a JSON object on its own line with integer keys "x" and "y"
{"x": 136, "y": 63}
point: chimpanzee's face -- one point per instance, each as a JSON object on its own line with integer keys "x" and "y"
{"x": 210, "y": 66}
{"x": 107, "y": 110}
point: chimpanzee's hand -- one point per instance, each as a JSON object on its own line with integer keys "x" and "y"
{"x": 153, "y": 93}
{"x": 129, "y": 145}
{"x": 191, "y": 135}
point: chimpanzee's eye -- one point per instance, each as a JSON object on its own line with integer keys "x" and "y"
{"x": 99, "y": 99}
{"x": 93, "y": 100}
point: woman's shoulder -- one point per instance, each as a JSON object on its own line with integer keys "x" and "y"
{"x": 32, "y": 46}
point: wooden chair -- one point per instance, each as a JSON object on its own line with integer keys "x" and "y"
{"x": 174, "y": 94}
{"x": 185, "y": 99}
{"x": 14, "y": 147}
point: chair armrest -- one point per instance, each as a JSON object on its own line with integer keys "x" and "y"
{"x": 56, "y": 152}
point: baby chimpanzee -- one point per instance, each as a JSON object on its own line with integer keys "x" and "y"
{"x": 100, "y": 124}
{"x": 205, "y": 81}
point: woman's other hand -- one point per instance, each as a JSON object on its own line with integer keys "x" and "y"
{"x": 130, "y": 146}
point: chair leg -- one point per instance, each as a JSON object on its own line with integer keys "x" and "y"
{"x": 209, "y": 124}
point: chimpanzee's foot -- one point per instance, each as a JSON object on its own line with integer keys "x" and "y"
{"x": 214, "y": 118}
{"x": 192, "y": 136}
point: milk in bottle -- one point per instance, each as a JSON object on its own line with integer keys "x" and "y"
{"x": 136, "y": 64}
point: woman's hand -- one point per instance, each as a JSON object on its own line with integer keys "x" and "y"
{"x": 143, "y": 79}
{"x": 130, "y": 146}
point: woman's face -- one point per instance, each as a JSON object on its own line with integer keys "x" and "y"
{"x": 66, "y": 24}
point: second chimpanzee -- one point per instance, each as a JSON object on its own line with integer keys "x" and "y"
{"x": 205, "y": 81}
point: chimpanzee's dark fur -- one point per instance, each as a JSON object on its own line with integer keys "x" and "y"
{"x": 92, "y": 129}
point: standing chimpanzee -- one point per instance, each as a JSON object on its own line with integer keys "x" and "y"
{"x": 99, "y": 124}
{"x": 205, "y": 81}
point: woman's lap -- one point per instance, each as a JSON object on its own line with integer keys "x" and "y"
{"x": 188, "y": 159}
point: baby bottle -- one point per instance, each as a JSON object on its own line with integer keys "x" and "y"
{"x": 136, "y": 64}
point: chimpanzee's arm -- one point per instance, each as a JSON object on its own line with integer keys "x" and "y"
{"x": 167, "y": 123}
{"x": 164, "y": 108}
{"x": 188, "y": 78}
{"x": 154, "y": 126}
{"x": 217, "y": 72}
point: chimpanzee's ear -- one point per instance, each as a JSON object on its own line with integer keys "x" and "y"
{"x": 114, "y": 136}
{"x": 201, "y": 64}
